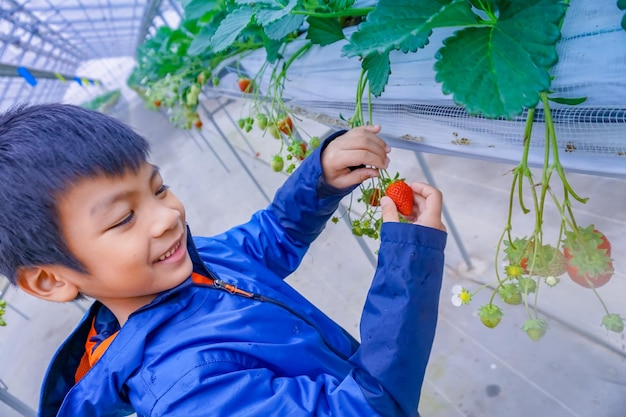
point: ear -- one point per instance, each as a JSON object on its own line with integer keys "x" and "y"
{"x": 46, "y": 282}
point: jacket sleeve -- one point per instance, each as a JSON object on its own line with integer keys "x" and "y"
{"x": 387, "y": 370}
{"x": 280, "y": 235}
{"x": 399, "y": 318}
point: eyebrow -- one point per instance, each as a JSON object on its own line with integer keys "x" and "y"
{"x": 109, "y": 201}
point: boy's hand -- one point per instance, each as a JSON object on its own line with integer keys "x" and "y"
{"x": 355, "y": 148}
{"x": 426, "y": 210}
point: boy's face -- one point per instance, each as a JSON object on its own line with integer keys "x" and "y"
{"x": 129, "y": 233}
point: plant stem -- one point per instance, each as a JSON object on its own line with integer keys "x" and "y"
{"x": 557, "y": 163}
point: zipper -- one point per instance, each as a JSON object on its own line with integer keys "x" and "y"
{"x": 234, "y": 290}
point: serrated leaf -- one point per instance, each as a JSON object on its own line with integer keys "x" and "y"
{"x": 378, "y": 69}
{"x": 500, "y": 69}
{"x": 324, "y": 31}
{"x": 406, "y": 25}
{"x": 230, "y": 28}
{"x": 273, "y": 11}
{"x": 272, "y": 48}
{"x": 195, "y": 9}
{"x": 202, "y": 41}
{"x": 282, "y": 27}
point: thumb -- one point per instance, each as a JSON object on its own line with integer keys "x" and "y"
{"x": 389, "y": 210}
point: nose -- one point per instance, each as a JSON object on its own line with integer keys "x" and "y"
{"x": 165, "y": 216}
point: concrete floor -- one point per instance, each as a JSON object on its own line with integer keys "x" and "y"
{"x": 577, "y": 369}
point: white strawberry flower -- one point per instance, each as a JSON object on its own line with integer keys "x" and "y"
{"x": 552, "y": 280}
{"x": 460, "y": 296}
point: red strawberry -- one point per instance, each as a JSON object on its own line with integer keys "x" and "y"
{"x": 245, "y": 85}
{"x": 588, "y": 257}
{"x": 371, "y": 196}
{"x": 303, "y": 149}
{"x": 402, "y": 195}
{"x": 198, "y": 124}
{"x": 157, "y": 103}
{"x": 285, "y": 125}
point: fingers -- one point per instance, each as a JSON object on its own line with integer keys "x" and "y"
{"x": 428, "y": 205}
{"x": 389, "y": 210}
{"x": 357, "y": 157}
{"x": 355, "y": 177}
{"x": 369, "y": 128}
{"x": 360, "y": 146}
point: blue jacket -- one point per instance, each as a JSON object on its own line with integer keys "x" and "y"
{"x": 202, "y": 350}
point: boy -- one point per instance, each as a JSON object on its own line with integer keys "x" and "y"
{"x": 197, "y": 326}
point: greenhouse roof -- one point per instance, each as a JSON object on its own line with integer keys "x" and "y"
{"x": 44, "y": 41}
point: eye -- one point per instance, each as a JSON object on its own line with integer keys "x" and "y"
{"x": 125, "y": 220}
{"x": 163, "y": 188}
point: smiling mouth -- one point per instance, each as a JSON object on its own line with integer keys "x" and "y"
{"x": 169, "y": 252}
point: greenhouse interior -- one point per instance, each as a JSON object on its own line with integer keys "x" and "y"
{"x": 514, "y": 110}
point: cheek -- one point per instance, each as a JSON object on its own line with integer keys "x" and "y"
{"x": 177, "y": 205}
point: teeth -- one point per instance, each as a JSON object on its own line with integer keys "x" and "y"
{"x": 169, "y": 252}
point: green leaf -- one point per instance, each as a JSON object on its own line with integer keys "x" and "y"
{"x": 621, "y": 4}
{"x": 324, "y": 31}
{"x": 624, "y": 22}
{"x": 272, "y": 48}
{"x": 406, "y": 25}
{"x": 500, "y": 69}
{"x": 272, "y": 11}
{"x": 202, "y": 41}
{"x": 378, "y": 70}
{"x": 230, "y": 28}
{"x": 195, "y": 9}
{"x": 287, "y": 24}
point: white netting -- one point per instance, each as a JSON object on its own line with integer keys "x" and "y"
{"x": 415, "y": 113}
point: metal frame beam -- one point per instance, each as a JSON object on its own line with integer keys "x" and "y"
{"x": 8, "y": 70}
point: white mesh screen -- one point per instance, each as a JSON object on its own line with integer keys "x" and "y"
{"x": 415, "y": 114}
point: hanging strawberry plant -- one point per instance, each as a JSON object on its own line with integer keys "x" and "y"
{"x": 278, "y": 23}
{"x": 495, "y": 62}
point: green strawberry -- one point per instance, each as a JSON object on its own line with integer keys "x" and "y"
{"x": 315, "y": 142}
{"x": 192, "y": 95}
{"x": 273, "y": 131}
{"x": 510, "y": 294}
{"x": 613, "y": 322}
{"x": 277, "y": 163}
{"x": 490, "y": 315}
{"x": 535, "y": 328}
{"x": 549, "y": 262}
{"x": 527, "y": 285}
{"x": 261, "y": 121}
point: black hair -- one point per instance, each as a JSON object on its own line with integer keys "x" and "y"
{"x": 44, "y": 150}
